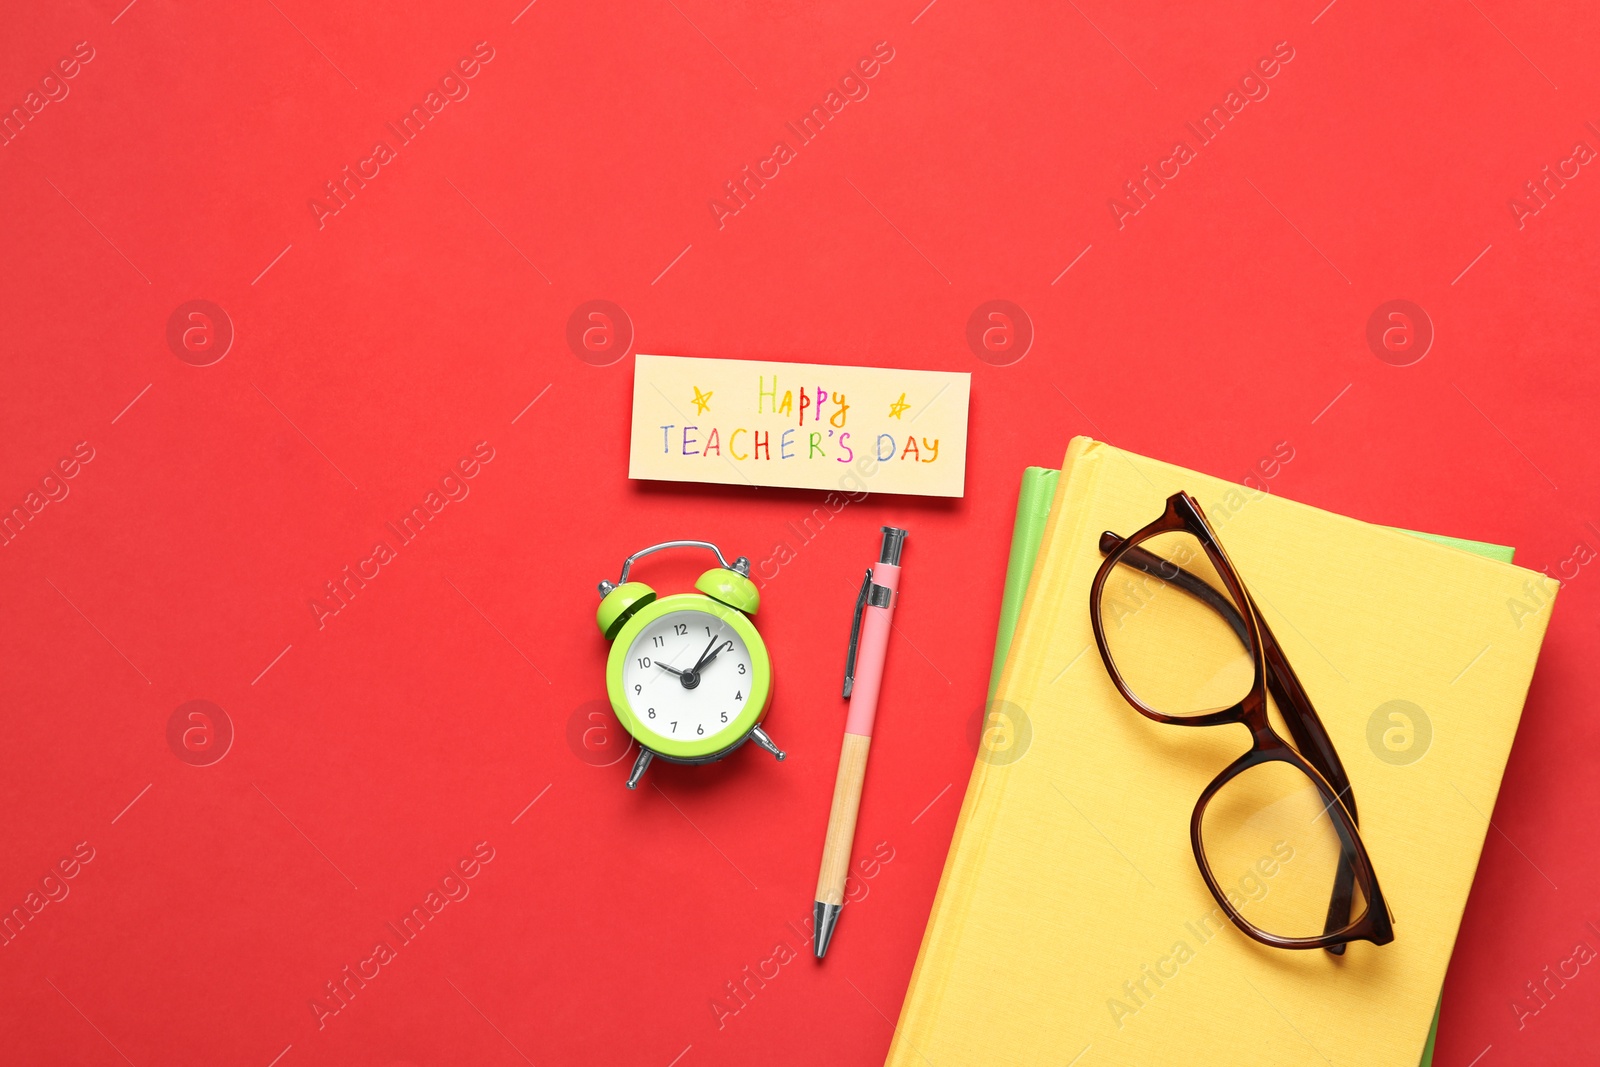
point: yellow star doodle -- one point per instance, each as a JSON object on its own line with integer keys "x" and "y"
{"x": 702, "y": 401}
{"x": 899, "y": 407}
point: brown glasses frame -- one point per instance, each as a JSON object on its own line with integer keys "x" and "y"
{"x": 1319, "y": 761}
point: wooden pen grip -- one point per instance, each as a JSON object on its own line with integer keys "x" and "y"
{"x": 842, "y": 818}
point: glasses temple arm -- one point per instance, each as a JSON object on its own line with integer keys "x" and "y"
{"x": 1309, "y": 732}
{"x": 1315, "y": 744}
{"x": 1344, "y": 882}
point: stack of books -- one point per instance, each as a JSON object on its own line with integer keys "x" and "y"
{"x": 1068, "y": 929}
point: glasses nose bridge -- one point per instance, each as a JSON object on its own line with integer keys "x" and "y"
{"x": 1265, "y": 739}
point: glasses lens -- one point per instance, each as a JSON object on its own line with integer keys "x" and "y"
{"x": 1275, "y": 844}
{"x": 1175, "y": 633}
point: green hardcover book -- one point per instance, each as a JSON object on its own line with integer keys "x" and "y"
{"x": 1033, "y": 509}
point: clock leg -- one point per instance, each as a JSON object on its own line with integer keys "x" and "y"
{"x": 639, "y": 765}
{"x": 759, "y": 736}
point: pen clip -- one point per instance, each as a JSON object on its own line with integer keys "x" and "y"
{"x": 855, "y": 634}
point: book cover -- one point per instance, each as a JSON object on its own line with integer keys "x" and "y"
{"x": 1071, "y": 860}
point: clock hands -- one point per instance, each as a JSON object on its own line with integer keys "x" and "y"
{"x": 707, "y": 653}
{"x": 691, "y": 677}
{"x": 691, "y": 670}
{"x": 706, "y": 662}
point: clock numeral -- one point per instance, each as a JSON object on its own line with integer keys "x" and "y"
{"x": 708, "y": 631}
{"x": 659, "y": 640}
{"x": 638, "y": 689}
{"x": 739, "y": 695}
{"x": 644, "y": 661}
{"x": 674, "y": 727}
{"x": 724, "y": 716}
{"x": 651, "y": 713}
{"x": 680, "y": 628}
{"x": 741, "y": 668}
{"x": 700, "y": 729}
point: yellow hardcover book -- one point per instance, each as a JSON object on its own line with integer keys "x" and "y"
{"x": 1072, "y": 925}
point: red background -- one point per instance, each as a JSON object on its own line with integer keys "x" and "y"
{"x": 374, "y": 351}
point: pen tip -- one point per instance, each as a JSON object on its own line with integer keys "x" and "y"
{"x": 824, "y": 918}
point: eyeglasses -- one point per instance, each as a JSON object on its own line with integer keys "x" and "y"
{"x": 1275, "y": 834}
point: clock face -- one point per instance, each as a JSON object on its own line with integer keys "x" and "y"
{"x": 672, "y": 699}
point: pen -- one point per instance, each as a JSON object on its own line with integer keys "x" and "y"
{"x": 863, "y": 672}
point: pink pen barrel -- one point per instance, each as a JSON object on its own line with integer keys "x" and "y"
{"x": 875, "y": 623}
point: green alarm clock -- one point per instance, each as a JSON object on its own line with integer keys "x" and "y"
{"x": 688, "y": 675}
